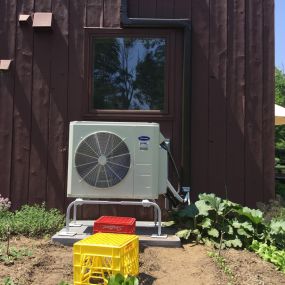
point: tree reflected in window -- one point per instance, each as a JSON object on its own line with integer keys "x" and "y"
{"x": 128, "y": 73}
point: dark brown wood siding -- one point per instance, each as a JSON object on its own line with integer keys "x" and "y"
{"x": 232, "y": 100}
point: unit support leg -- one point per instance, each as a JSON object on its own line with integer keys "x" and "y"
{"x": 79, "y": 202}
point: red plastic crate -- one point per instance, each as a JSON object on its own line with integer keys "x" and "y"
{"x": 112, "y": 224}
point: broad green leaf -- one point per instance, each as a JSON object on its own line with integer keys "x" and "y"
{"x": 213, "y": 201}
{"x": 244, "y": 225}
{"x": 213, "y": 232}
{"x": 185, "y": 234}
{"x": 255, "y": 216}
{"x": 228, "y": 203}
{"x": 206, "y": 223}
{"x": 119, "y": 278}
{"x": 247, "y": 226}
{"x": 132, "y": 281}
{"x": 190, "y": 211}
{"x": 202, "y": 207}
{"x": 228, "y": 229}
{"x": 168, "y": 224}
{"x": 236, "y": 224}
{"x": 242, "y": 232}
{"x": 233, "y": 243}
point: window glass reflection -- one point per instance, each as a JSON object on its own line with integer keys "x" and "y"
{"x": 128, "y": 73}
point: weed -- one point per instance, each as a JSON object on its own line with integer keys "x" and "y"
{"x": 8, "y": 256}
{"x": 119, "y": 279}
{"x": 63, "y": 283}
{"x": 8, "y": 281}
{"x": 221, "y": 263}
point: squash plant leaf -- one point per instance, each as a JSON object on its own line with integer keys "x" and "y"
{"x": 190, "y": 211}
{"x": 233, "y": 243}
{"x": 203, "y": 207}
{"x": 213, "y": 232}
{"x": 185, "y": 234}
{"x": 206, "y": 223}
{"x": 255, "y": 216}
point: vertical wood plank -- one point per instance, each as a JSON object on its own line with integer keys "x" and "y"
{"x": 75, "y": 59}
{"x": 235, "y": 172}
{"x": 112, "y": 13}
{"x": 200, "y": 100}
{"x": 22, "y": 108}
{"x": 253, "y": 103}
{"x": 165, "y": 9}
{"x": 40, "y": 110}
{"x": 182, "y": 9}
{"x": 76, "y": 62}
{"x": 94, "y": 13}
{"x": 7, "y": 51}
{"x": 268, "y": 101}
{"x": 147, "y": 8}
{"x": 217, "y": 96}
{"x": 133, "y": 9}
{"x": 57, "y": 144}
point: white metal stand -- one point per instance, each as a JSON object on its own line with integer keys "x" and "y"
{"x": 80, "y": 202}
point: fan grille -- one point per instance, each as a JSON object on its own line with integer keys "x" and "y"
{"x": 102, "y": 159}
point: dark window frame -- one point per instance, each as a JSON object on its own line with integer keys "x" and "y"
{"x": 89, "y": 112}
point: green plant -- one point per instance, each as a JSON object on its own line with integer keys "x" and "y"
{"x": 37, "y": 221}
{"x": 63, "y": 283}
{"x": 8, "y": 281}
{"x": 222, "y": 222}
{"x": 5, "y": 223}
{"x": 270, "y": 253}
{"x": 119, "y": 279}
{"x": 221, "y": 263}
{"x": 276, "y": 234}
{"x": 9, "y": 255}
{"x": 32, "y": 221}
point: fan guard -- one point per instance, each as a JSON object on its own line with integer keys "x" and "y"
{"x": 102, "y": 159}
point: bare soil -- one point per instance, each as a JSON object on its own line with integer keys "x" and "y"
{"x": 50, "y": 264}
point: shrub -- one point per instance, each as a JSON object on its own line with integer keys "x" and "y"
{"x": 32, "y": 221}
{"x": 37, "y": 221}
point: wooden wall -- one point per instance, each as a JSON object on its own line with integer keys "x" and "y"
{"x": 232, "y": 102}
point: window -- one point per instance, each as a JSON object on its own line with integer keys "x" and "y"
{"x": 127, "y": 71}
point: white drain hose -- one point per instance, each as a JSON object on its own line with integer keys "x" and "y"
{"x": 174, "y": 192}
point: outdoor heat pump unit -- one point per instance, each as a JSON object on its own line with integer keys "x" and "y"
{"x": 116, "y": 160}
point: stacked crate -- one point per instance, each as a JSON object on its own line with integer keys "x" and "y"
{"x": 110, "y": 224}
{"x": 101, "y": 255}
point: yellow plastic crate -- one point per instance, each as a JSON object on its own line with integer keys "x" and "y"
{"x": 97, "y": 257}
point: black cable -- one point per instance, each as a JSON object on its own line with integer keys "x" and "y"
{"x": 164, "y": 146}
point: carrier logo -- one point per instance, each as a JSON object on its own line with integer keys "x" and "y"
{"x": 144, "y": 138}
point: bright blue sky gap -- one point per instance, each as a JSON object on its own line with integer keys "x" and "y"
{"x": 280, "y": 34}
